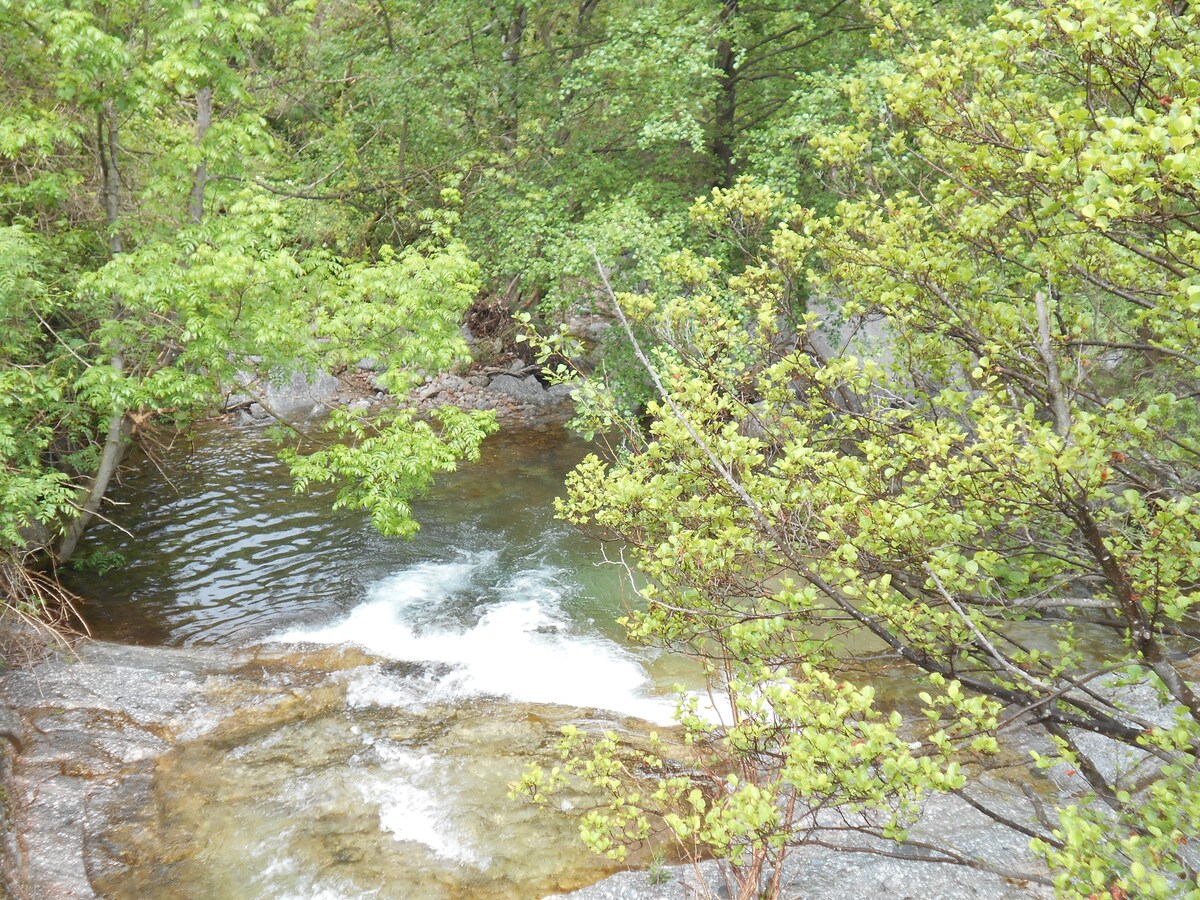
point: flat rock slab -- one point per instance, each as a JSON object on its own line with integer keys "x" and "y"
{"x": 92, "y": 727}
{"x": 92, "y": 730}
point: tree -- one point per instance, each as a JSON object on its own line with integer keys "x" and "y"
{"x": 562, "y": 124}
{"x": 1000, "y": 493}
{"x": 134, "y": 145}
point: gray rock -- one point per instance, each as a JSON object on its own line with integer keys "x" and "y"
{"x": 447, "y": 384}
{"x": 426, "y": 392}
{"x": 815, "y": 872}
{"x": 240, "y": 392}
{"x": 298, "y": 396}
{"x": 588, "y": 328}
{"x": 93, "y": 725}
{"x": 12, "y": 857}
{"x": 527, "y": 390}
{"x": 11, "y": 728}
{"x": 866, "y": 337}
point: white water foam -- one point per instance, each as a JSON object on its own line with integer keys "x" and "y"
{"x": 523, "y": 649}
{"x": 412, "y": 807}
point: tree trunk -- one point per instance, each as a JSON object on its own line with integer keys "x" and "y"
{"x": 724, "y": 129}
{"x": 510, "y": 101}
{"x": 108, "y": 133}
{"x": 115, "y": 442}
{"x": 583, "y": 21}
{"x": 204, "y": 116}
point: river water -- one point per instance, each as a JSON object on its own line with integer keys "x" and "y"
{"x": 380, "y": 694}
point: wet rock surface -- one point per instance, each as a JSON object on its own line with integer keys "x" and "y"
{"x": 157, "y": 772}
{"x": 93, "y": 726}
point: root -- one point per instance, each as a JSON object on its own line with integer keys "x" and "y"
{"x": 36, "y": 613}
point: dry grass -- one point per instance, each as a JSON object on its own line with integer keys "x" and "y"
{"x": 37, "y": 614}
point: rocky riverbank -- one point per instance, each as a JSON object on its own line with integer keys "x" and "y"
{"x": 154, "y": 772}
{"x": 139, "y": 768}
{"x": 514, "y": 391}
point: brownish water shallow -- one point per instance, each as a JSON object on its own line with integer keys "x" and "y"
{"x": 303, "y": 790}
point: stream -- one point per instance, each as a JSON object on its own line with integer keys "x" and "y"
{"x": 279, "y": 703}
{"x": 340, "y": 713}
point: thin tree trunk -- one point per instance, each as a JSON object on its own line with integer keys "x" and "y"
{"x": 387, "y": 25}
{"x": 511, "y": 54}
{"x": 1060, "y": 407}
{"x": 724, "y": 124}
{"x": 115, "y": 443}
{"x": 204, "y": 116}
{"x": 108, "y": 134}
{"x": 108, "y": 130}
{"x": 404, "y": 146}
{"x": 583, "y": 21}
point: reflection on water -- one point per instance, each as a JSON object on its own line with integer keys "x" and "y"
{"x": 227, "y": 553}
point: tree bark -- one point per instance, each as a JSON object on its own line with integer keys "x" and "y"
{"x": 204, "y": 116}
{"x": 115, "y": 443}
{"x": 511, "y": 55}
{"x": 724, "y": 127}
{"x": 108, "y": 134}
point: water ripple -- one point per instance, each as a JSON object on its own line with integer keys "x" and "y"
{"x": 227, "y": 553}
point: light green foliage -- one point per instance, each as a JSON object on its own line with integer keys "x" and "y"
{"x": 391, "y": 459}
{"x": 34, "y": 379}
{"x": 147, "y": 269}
{"x": 1001, "y": 489}
{"x": 1151, "y": 835}
{"x": 247, "y": 303}
{"x": 833, "y": 752}
{"x": 800, "y": 749}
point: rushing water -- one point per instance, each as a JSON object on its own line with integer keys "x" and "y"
{"x": 398, "y": 687}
